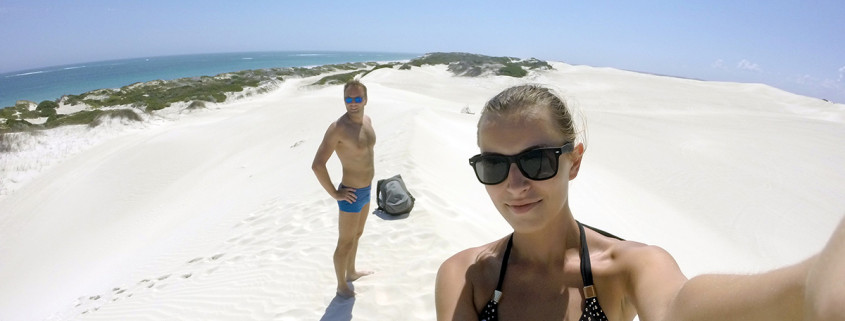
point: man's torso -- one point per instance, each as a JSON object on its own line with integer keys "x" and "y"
{"x": 355, "y": 151}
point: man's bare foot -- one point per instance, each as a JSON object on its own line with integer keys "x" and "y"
{"x": 345, "y": 292}
{"x": 352, "y": 276}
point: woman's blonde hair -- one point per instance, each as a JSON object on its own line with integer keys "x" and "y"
{"x": 525, "y": 100}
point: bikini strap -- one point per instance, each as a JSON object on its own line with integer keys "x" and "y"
{"x": 498, "y": 293}
{"x": 586, "y": 270}
{"x": 602, "y": 232}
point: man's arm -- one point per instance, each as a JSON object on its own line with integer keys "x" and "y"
{"x": 324, "y": 152}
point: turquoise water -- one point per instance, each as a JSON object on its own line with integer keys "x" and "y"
{"x": 51, "y": 83}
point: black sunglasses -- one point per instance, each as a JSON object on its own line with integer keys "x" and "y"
{"x": 536, "y": 164}
{"x": 357, "y": 100}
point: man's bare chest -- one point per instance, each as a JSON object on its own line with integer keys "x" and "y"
{"x": 362, "y": 138}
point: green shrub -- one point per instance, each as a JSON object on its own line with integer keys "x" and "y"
{"x": 8, "y": 113}
{"x": 92, "y": 103}
{"x": 47, "y": 108}
{"x": 47, "y": 104}
{"x": 196, "y": 104}
{"x": 126, "y": 114}
{"x": 16, "y": 125}
{"x": 74, "y": 100}
{"x": 47, "y": 112}
{"x": 219, "y": 97}
{"x": 534, "y": 63}
{"x": 84, "y": 117}
{"x": 155, "y": 104}
{"x": 30, "y": 114}
{"x": 513, "y": 70}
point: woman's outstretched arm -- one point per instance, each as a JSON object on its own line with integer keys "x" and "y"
{"x": 813, "y": 290}
{"x": 774, "y": 295}
{"x": 825, "y": 293}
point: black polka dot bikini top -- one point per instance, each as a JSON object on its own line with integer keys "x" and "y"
{"x": 592, "y": 309}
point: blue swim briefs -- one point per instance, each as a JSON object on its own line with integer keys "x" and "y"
{"x": 363, "y": 195}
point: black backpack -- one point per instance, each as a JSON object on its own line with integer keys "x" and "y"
{"x": 393, "y": 197}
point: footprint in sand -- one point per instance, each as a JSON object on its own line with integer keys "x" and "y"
{"x": 235, "y": 239}
{"x": 297, "y": 144}
{"x": 211, "y": 270}
{"x": 260, "y": 231}
{"x": 261, "y": 221}
{"x": 245, "y": 240}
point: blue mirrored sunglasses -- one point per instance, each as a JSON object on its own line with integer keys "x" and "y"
{"x": 357, "y": 100}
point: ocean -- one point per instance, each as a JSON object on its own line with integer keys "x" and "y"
{"x": 51, "y": 83}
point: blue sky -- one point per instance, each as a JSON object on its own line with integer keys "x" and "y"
{"x": 798, "y": 46}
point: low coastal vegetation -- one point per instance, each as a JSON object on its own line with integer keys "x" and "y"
{"x": 127, "y": 102}
{"x": 473, "y": 65}
{"x": 342, "y": 78}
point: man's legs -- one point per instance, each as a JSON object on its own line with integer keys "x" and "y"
{"x": 352, "y": 273}
{"x": 346, "y": 239}
{"x": 350, "y": 229}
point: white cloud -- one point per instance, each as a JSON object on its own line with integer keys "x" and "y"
{"x": 830, "y": 84}
{"x": 718, "y": 64}
{"x": 804, "y": 80}
{"x": 827, "y": 84}
{"x": 747, "y": 65}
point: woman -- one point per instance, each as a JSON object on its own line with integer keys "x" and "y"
{"x": 554, "y": 268}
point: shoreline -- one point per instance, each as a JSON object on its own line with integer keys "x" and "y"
{"x": 94, "y": 75}
{"x": 158, "y": 94}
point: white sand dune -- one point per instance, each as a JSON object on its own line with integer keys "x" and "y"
{"x": 216, "y": 215}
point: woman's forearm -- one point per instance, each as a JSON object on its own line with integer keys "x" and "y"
{"x": 774, "y": 295}
{"x": 825, "y": 291}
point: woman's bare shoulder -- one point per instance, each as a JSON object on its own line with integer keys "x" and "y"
{"x": 467, "y": 279}
{"x": 476, "y": 265}
{"x": 645, "y": 276}
{"x": 474, "y": 256}
{"x": 634, "y": 259}
{"x": 632, "y": 255}
{"x": 636, "y": 253}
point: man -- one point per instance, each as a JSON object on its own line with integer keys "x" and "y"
{"x": 352, "y": 137}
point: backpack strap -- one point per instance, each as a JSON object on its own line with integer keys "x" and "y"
{"x": 378, "y": 195}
